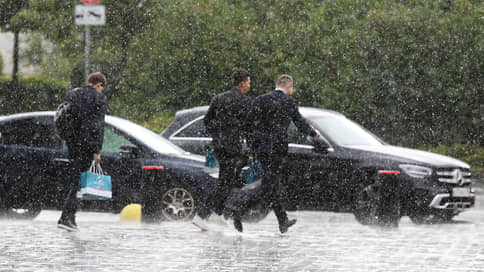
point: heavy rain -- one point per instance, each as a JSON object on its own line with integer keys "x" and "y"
{"x": 387, "y": 176}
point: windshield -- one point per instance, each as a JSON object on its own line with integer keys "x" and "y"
{"x": 145, "y": 136}
{"x": 344, "y": 131}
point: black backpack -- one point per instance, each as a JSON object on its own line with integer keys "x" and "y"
{"x": 63, "y": 120}
{"x": 65, "y": 117}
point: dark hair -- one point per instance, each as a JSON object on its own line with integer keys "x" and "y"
{"x": 97, "y": 77}
{"x": 239, "y": 75}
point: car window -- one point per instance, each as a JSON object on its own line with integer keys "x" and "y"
{"x": 113, "y": 141}
{"x": 344, "y": 131}
{"x": 196, "y": 129}
{"x": 144, "y": 136}
{"x": 295, "y": 136}
{"x": 31, "y": 132}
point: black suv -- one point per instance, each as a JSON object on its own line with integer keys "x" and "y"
{"x": 349, "y": 169}
{"x": 145, "y": 168}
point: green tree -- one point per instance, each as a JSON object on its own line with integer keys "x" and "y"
{"x": 194, "y": 47}
{"x": 409, "y": 70}
{"x": 8, "y": 11}
{"x": 418, "y": 74}
{"x": 125, "y": 21}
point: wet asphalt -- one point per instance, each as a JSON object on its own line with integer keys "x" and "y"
{"x": 320, "y": 241}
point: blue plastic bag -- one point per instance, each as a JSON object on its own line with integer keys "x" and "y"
{"x": 210, "y": 160}
{"x": 252, "y": 172}
{"x": 94, "y": 185}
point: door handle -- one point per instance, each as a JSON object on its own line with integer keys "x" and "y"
{"x": 61, "y": 160}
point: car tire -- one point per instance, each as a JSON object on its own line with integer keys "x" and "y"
{"x": 28, "y": 213}
{"x": 172, "y": 202}
{"x": 366, "y": 209}
{"x": 257, "y": 213}
{"x": 30, "y": 209}
{"x": 3, "y": 206}
{"x": 374, "y": 205}
{"x": 442, "y": 217}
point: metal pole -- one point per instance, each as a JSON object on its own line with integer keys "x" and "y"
{"x": 15, "y": 58}
{"x": 86, "y": 52}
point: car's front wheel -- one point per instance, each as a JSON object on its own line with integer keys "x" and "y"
{"x": 375, "y": 206}
{"x": 432, "y": 218}
{"x": 3, "y": 206}
{"x": 174, "y": 201}
{"x": 27, "y": 210}
{"x": 366, "y": 206}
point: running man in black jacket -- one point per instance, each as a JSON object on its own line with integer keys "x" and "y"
{"x": 224, "y": 122}
{"x": 268, "y": 120}
{"x": 85, "y": 139}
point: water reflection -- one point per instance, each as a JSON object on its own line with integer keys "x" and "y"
{"x": 318, "y": 242}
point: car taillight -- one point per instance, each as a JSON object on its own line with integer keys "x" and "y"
{"x": 149, "y": 167}
{"x": 388, "y": 172}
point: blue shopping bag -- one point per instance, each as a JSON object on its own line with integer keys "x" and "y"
{"x": 94, "y": 185}
{"x": 210, "y": 160}
{"x": 252, "y": 172}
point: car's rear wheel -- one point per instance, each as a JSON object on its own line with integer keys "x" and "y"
{"x": 27, "y": 213}
{"x": 374, "y": 206}
{"x": 178, "y": 203}
{"x": 257, "y": 213}
{"x": 175, "y": 201}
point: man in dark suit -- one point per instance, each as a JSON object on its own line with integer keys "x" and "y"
{"x": 267, "y": 122}
{"x": 85, "y": 139}
{"x": 224, "y": 122}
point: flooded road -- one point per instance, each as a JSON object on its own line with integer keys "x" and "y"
{"x": 320, "y": 241}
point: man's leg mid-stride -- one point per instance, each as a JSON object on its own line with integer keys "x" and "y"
{"x": 67, "y": 221}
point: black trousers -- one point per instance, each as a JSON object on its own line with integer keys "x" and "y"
{"x": 80, "y": 162}
{"x": 274, "y": 174}
{"x": 229, "y": 177}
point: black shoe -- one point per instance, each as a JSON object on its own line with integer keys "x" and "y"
{"x": 67, "y": 224}
{"x": 238, "y": 221}
{"x": 238, "y": 225}
{"x": 285, "y": 226}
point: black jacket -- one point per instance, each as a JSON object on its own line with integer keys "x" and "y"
{"x": 89, "y": 107}
{"x": 268, "y": 120}
{"x": 225, "y": 119}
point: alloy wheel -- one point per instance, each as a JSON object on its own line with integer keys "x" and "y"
{"x": 178, "y": 204}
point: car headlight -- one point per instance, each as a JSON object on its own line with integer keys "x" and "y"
{"x": 416, "y": 171}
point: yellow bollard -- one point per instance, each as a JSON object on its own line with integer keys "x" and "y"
{"x": 131, "y": 212}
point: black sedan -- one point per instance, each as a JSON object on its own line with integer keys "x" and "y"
{"x": 349, "y": 169}
{"x": 144, "y": 167}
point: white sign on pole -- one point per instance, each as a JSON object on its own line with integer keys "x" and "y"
{"x": 90, "y": 15}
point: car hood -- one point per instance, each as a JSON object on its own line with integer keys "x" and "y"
{"x": 413, "y": 155}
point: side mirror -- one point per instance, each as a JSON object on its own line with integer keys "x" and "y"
{"x": 129, "y": 151}
{"x": 320, "y": 145}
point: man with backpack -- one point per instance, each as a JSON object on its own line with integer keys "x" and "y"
{"x": 81, "y": 125}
